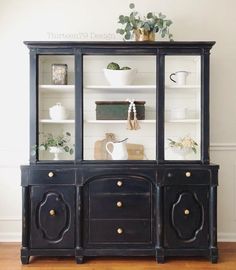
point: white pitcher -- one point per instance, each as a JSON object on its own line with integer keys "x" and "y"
{"x": 180, "y": 77}
{"x": 119, "y": 151}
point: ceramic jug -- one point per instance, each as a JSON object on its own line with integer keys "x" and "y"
{"x": 57, "y": 112}
{"x": 180, "y": 77}
{"x": 119, "y": 151}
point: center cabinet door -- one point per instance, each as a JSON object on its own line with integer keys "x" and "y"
{"x": 112, "y": 79}
{"x": 52, "y": 217}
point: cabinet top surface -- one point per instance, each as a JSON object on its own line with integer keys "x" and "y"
{"x": 123, "y": 44}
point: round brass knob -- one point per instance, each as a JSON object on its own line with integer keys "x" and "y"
{"x": 188, "y": 174}
{"x": 186, "y": 212}
{"x": 50, "y": 174}
{"x": 119, "y": 183}
{"x": 119, "y": 204}
{"x": 119, "y": 231}
{"x": 52, "y": 212}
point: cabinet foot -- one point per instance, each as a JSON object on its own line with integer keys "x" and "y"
{"x": 25, "y": 259}
{"x": 214, "y": 259}
{"x": 79, "y": 259}
{"x": 160, "y": 259}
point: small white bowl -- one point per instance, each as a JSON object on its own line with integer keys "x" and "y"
{"x": 119, "y": 77}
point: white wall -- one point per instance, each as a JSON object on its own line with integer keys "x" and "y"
{"x": 97, "y": 20}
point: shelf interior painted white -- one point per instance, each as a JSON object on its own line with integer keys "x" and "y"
{"x": 187, "y": 86}
{"x": 118, "y": 121}
{"x": 45, "y": 88}
{"x": 50, "y": 121}
{"x": 184, "y": 121}
{"x": 122, "y": 87}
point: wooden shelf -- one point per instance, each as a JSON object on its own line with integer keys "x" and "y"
{"x": 121, "y": 88}
{"x": 190, "y": 86}
{"x": 118, "y": 121}
{"x": 49, "y": 121}
{"x": 184, "y": 121}
{"x": 50, "y": 88}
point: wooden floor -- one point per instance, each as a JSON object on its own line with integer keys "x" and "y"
{"x": 9, "y": 260}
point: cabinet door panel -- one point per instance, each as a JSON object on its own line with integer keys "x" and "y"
{"x": 186, "y": 212}
{"x": 52, "y": 213}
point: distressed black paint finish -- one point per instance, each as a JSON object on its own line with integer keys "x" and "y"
{"x": 120, "y": 208}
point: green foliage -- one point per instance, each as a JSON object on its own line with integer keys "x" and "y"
{"x": 49, "y": 140}
{"x": 115, "y": 66}
{"x": 150, "y": 23}
{"x": 184, "y": 142}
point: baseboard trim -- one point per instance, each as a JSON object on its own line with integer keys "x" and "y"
{"x": 10, "y": 237}
{"x": 226, "y": 237}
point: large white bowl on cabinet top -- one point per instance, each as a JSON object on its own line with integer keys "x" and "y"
{"x": 119, "y": 77}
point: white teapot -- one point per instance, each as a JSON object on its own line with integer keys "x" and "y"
{"x": 119, "y": 151}
{"x": 57, "y": 112}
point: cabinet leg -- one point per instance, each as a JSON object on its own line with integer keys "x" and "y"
{"x": 214, "y": 255}
{"x": 79, "y": 259}
{"x": 24, "y": 255}
{"x": 25, "y": 259}
{"x": 160, "y": 259}
{"x": 214, "y": 259}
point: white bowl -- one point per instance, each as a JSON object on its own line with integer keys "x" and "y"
{"x": 119, "y": 77}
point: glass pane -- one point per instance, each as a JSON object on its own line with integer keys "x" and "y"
{"x": 182, "y": 107}
{"x": 106, "y": 116}
{"x": 56, "y": 92}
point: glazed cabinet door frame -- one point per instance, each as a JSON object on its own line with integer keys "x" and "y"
{"x": 35, "y": 53}
{"x": 204, "y": 53}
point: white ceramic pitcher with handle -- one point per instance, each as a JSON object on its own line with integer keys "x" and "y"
{"x": 119, "y": 151}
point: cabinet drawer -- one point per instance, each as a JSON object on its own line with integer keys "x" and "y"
{"x": 186, "y": 177}
{"x": 52, "y": 176}
{"x": 120, "y": 185}
{"x": 120, "y": 231}
{"x": 120, "y": 206}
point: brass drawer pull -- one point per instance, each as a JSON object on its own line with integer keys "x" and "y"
{"x": 50, "y": 174}
{"x": 188, "y": 174}
{"x": 119, "y": 204}
{"x": 119, "y": 183}
{"x": 119, "y": 230}
{"x": 186, "y": 212}
{"x": 52, "y": 212}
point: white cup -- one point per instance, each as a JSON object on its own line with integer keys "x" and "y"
{"x": 180, "y": 77}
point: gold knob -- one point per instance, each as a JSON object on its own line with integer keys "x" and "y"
{"x": 52, "y": 212}
{"x": 119, "y": 183}
{"x": 119, "y": 231}
{"x": 188, "y": 174}
{"x": 50, "y": 174}
{"x": 186, "y": 212}
{"x": 119, "y": 204}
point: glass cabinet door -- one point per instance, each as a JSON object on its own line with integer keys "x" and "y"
{"x": 56, "y": 107}
{"x": 182, "y": 107}
{"x": 115, "y": 88}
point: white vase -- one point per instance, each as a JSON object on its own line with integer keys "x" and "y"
{"x": 56, "y": 150}
{"x": 182, "y": 152}
{"x": 57, "y": 112}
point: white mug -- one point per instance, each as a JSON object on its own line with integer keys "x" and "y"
{"x": 180, "y": 77}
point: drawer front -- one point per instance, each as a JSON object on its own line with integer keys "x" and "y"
{"x": 120, "y": 206}
{"x": 120, "y": 231}
{"x": 120, "y": 185}
{"x": 186, "y": 177}
{"x": 52, "y": 176}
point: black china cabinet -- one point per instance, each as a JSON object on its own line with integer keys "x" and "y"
{"x": 100, "y": 182}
